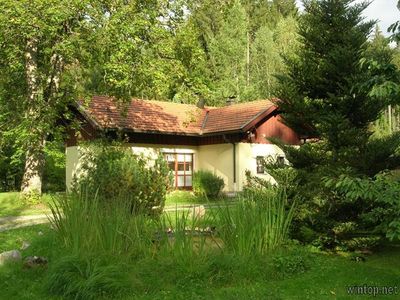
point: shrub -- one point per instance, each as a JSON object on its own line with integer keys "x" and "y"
{"x": 207, "y": 184}
{"x": 289, "y": 264}
{"x": 381, "y": 193}
{"x": 114, "y": 172}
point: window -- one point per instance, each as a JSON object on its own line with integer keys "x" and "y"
{"x": 260, "y": 164}
{"x": 181, "y": 166}
{"x": 280, "y": 160}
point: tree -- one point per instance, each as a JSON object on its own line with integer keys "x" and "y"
{"x": 333, "y": 91}
{"x": 37, "y": 46}
{"x": 268, "y": 51}
{"x": 330, "y": 92}
{"x": 228, "y": 54}
{"x": 47, "y": 50}
{"x": 379, "y": 51}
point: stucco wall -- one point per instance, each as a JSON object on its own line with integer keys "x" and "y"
{"x": 149, "y": 150}
{"x": 248, "y": 153}
{"x": 219, "y": 160}
{"x": 215, "y": 158}
{"x": 71, "y": 164}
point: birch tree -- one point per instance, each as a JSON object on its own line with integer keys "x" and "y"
{"x": 53, "y": 52}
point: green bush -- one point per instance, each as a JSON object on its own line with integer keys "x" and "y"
{"x": 381, "y": 193}
{"x": 286, "y": 265}
{"x": 207, "y": 184}
{"x": 114, "y": 172}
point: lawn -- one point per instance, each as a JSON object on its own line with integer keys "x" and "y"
{"x": 12, "y": 205}
{"x": 186, "y": 197}
{"x": 324, "y": 276}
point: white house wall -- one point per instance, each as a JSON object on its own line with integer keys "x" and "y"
{"x": 215, "y": 158}
{"x": 248, "y": 153}
{"x": 219, "y": 160}
{"x": 71, "y": 164}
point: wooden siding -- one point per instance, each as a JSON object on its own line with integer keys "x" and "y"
{"x": 273, "y": 127}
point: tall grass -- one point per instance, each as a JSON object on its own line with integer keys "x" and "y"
{"x": 104, "y": 242}
{"x": 259, "y": 222}
{"x": 85, "y": 224}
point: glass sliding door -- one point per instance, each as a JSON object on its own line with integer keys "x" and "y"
{"x": 181, "y": 166}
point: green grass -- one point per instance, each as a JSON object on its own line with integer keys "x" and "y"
{"x": 186, "y": 197}
{"x": 17, "y": 282}
{"x": 212, "y": 277}
{"x": 104, "y": 252}
{"x": 294, "y": 273}
{"x": 12, "y": 205}
{"x": 183, "y": 197}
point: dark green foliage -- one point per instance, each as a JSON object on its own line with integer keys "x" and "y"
{"x": 287, "y": 265}
{"x": 207, "y": 184}
{"x": 381, "y": 196}
{"x": 335, "y": 88}
{"x": 113, "y": 172}
{"x": 11, "y": 168}
{"x": 54, "y": 172}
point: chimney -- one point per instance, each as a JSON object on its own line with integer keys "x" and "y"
{"x": 231, "y": 100}
{"x": 201, "y": 103}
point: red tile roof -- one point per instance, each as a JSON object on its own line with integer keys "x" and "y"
{"x": 173, "y": 118}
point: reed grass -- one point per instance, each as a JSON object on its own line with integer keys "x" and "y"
{"x": 258, "y": 224}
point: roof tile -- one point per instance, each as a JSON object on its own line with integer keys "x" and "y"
{"x": 173, "y": 118}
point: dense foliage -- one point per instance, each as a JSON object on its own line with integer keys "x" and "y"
{"x": 335, "y": 87}
{"x": 206, "y": 183}
{"x": 114, "y": 172}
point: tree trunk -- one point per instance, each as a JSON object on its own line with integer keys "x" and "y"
{"x": 34, "y": 162}
{"x": 34, "y": 144}
{"x": 248, "y": 60}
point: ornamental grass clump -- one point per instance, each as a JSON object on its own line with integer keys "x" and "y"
{"x": 85, "y": 224}
{"x": 258, "y": 224}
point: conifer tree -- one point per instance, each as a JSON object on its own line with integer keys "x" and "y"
{"x": 332, "y": 91}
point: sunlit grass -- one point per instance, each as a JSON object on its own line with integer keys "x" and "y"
{"x": 11, "y": 204}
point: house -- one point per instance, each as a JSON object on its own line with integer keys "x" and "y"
{"x": 225, "y": 140}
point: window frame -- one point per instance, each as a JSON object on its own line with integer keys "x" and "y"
{"x": 260, "y": 164}
{"x": 186, "y": 173}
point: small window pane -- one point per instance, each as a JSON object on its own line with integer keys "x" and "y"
{"x": 188, "y": 180}
{"x": 188, "y": 157}
{"x": 169, "y": 157}
{"x": 181, "y": 181}
{"x": 171, "y": 165}
{"x": 181, "y": 166}
{"x": 260, "y": 164}
{"x": 181, "y": 157}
